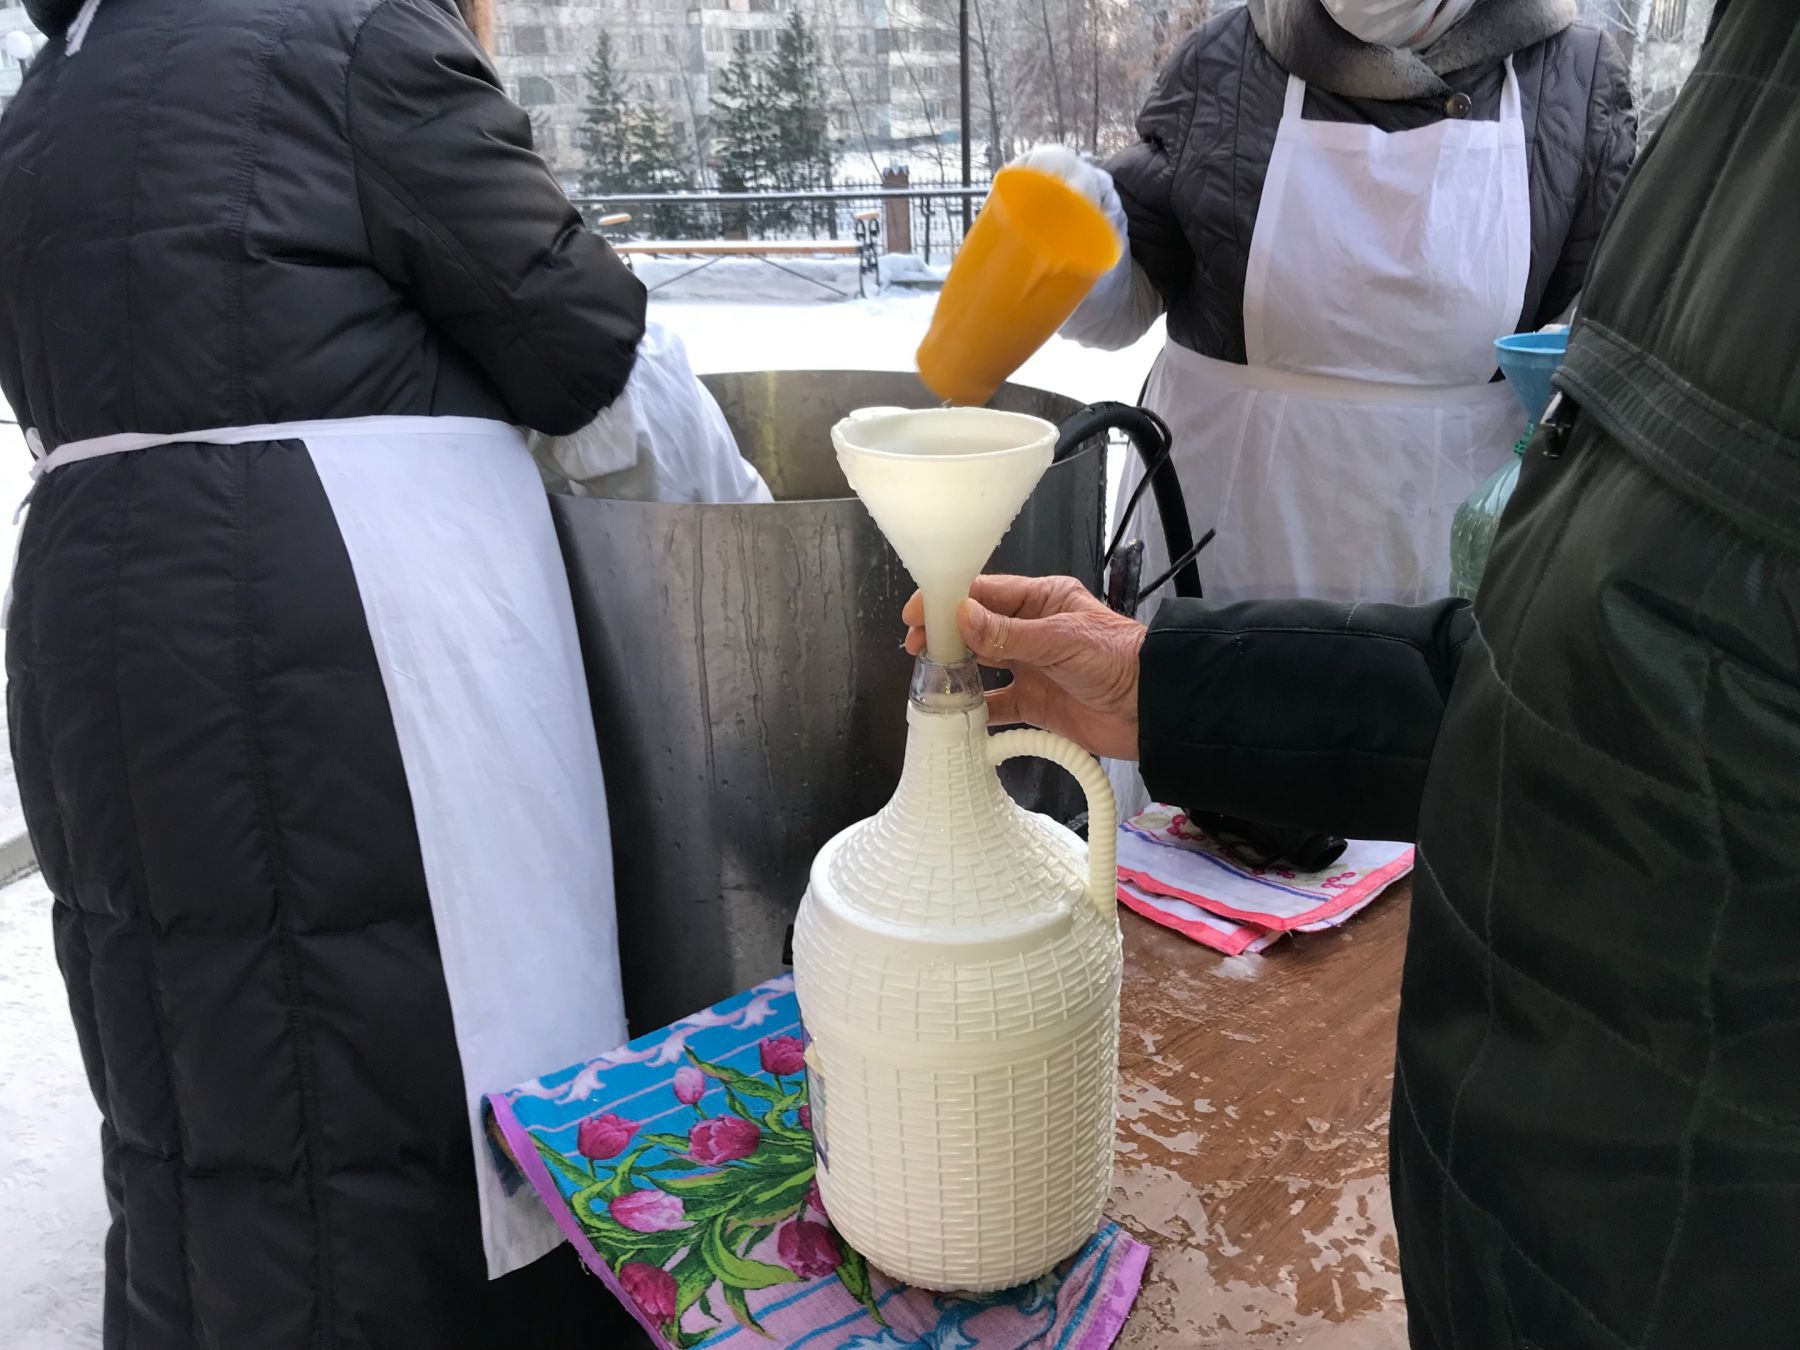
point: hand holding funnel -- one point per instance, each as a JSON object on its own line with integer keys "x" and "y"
{"x": 943, "y": 484}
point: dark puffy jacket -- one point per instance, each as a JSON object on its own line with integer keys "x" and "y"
{"x": 1193, "y": 184}
{"x": 232, "y": 214}
{"x": 291, "y": 210}
{"x": 1596, "y": 1125}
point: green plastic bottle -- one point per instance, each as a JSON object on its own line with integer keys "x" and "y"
{"x": 1476, "y": 521}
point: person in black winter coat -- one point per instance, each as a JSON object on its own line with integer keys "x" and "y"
{"x": 1596, "y": 1124}
{"x": 292, "y": 680}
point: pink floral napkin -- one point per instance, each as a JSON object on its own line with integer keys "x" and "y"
{"x": 1175, "y": 874}
{"x": 681, "y": 1168}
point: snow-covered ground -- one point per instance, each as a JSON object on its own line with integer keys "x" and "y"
{"x": 879, "y": 334}
{"x": 49, "y": 1145}
{"x": 50, "y": 1188}
{"x": 15, "y": 479}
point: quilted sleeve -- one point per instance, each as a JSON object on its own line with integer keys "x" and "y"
{"x": 464, "y": 217}
{"x": 1144, "y": 174}
{"x": 1303, "y": 713}
{"x": 1611, "y": 145}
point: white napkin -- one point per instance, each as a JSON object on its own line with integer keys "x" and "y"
{"x": 1165, "y": 855}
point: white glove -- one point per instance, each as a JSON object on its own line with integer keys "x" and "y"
{"x": 662, "y": 440}
{"x": 1090, "y": 180}
{"x": 1087, "y": 178}
{"x": 1123, "y": 304}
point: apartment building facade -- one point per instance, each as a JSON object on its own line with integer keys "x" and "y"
{"x": 889, "y": 66}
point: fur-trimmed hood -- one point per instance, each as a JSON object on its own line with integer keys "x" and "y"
{"x": 1304, "y": 38}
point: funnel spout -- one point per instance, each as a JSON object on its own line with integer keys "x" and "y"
{"x": 943, "y": 484}
{"x": 943, "y": 597}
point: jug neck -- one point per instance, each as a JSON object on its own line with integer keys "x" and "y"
{"x": 951, "y": 849}
{"x": 944, "y": 689}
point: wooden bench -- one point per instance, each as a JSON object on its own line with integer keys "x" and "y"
{"x": 863, "y": 248}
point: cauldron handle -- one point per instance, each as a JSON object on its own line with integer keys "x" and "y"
{"x": 1150, "y": 435}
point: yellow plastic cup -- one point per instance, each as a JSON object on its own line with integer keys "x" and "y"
{"x": 1033, "y": 254}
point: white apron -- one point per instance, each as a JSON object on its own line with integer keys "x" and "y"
{"x": 1382, "y": 268}
{"x": 463, "y": 584}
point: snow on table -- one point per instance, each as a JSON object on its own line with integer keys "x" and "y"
{"x": 882, "y": 333}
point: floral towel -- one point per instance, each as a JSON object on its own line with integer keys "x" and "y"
{"x": 1169, "y": 868}
{"x": 681, "y": 1167}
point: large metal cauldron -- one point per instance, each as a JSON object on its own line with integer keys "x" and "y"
{"x": 748, "y": 683}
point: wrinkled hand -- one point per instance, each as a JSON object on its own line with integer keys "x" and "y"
{"x": 1074, "y": 662}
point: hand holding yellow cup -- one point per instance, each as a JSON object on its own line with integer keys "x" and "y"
{"x": 1033, "y": 254}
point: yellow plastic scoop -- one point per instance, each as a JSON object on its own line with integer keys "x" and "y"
{"x": 1033, "y": 254}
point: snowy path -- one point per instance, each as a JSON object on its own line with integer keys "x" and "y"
{"x": 50, "y": 1192}
{"x": 880, "y": 334}
{"x": 15, "y": 461}
{"x": 50, "y": 1187}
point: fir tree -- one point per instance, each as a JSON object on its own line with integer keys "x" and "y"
{"x": 744, "y": 139}
{"x": 801, "y": 149}
{"x": 655, "y": 161}
{"x": 797, "y": 87}
{"x": 604, "y": 123}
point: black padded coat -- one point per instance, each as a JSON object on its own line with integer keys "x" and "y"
{"x": 219, "y": 215}
{"x": 1596, "y": 1124}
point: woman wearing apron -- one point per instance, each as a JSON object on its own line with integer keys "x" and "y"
{"x": 295, "y": 698}
{"x": 1340, "y": 204}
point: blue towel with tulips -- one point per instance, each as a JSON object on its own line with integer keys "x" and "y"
{"x": 681, "y": 1168}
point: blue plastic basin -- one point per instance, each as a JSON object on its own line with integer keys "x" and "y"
{"x": 1528, "y": 360}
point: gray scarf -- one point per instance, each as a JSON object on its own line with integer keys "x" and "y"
{"x": 1302, "y": 36}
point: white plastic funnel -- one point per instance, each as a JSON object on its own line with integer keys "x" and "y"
{"x": 943, "y": 484}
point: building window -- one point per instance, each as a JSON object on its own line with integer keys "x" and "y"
{"x": 531, "y": 40}
{"x": 761, "y": 40}
{"x": 672, "y": 87}
{"x": 668, "y": 44}
{"x": 536, "y": 92}
{"x": 715, "y": 40}
{"x": 638, "y": 45}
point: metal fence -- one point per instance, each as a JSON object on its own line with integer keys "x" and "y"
{"x": 927, "y": 220}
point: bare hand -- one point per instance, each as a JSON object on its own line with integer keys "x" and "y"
{"x": 1074, "y": 662}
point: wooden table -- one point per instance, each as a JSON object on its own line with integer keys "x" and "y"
{"x": 1253, "y": 1138}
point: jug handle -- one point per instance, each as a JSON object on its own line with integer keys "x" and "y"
{"x": 1103, "y": 811}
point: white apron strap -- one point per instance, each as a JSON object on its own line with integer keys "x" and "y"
{"x": 125, "y": 442}
{"x": 98, "y": 447}
{"x": 1295, "y": 101}
{"x": 1512, "y": 102}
